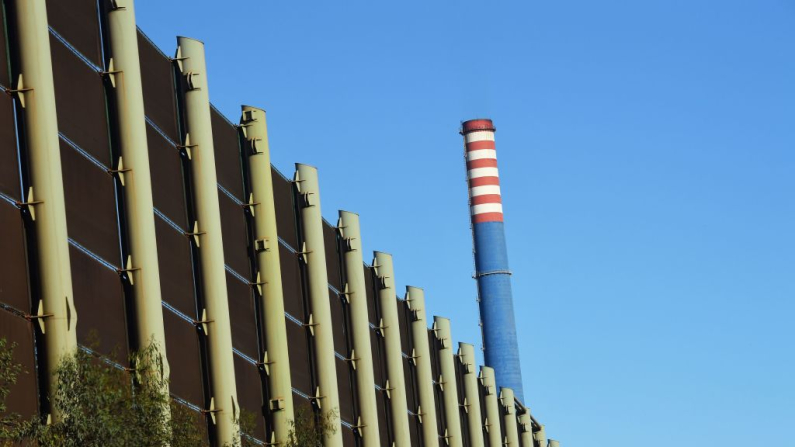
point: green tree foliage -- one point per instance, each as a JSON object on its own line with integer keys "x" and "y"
{"x": 105, "y": 405}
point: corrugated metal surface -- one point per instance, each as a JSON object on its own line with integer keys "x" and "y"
{"x": 9, "y": 163}
{"x": 158, "y": 86}
{"x": 176, "y": 270}
{"x": 23, "y": 398}
{"x": 90, "y": 205}
{"x": 404, "y": 320}
{"x": 243, "y": 317}
{"x": 168, "y": 187}
{"x": 384, "y": 427}
{"x": 77, "y": 22}
{"x": 99, "y": 300}
{"x": 80, "y": 102}
{"x": 184, "y": 358}
{"x": 249, "y": 393}
{"x": 235, "y": 235}
{"x": 348, "y": 437}
{"x": 339, "y": 331}
{"x": 227, "y": 155}
{"x": 285, "y": 213}
{"x": 13, "y": 263}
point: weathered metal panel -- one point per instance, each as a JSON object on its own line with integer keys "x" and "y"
{"x": 158, "y": 84}
{"x": 333, "y": 266}
{"x": 176, "y": 269}
{"x": 100, "y": 301}
{"x": 249, "y": 391}
{"x": 184, "y": 358}
{"x": 3, "y": 50}
{"x": 168, "y": 186}
{"x": 235, "y": 235}
{"x": 345, "y": 388}
{"x": 23, "y": 398}
{"x": 77, "y": 22}
{"x": 90, "y": 205}
{"x": 9, "y": 162}
{"x": 348, "y": 437}
{"x": 13, "y": 263}
{"x": 404, "y": 320}
{"x": 339, "y": 330}
{"x": 243, "y": 317}
{"x": 383, "y": 420}
{"x": 80, "y": 102}
{"x": 372, "y": 300}
{"x": 377, "y": 349}
{"x": 285, "y": 213}
{"x": 300, "y": 373}
{"x": 227, "y": 155}
{"x": 291, "y": 283}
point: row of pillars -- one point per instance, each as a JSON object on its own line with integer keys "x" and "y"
{"x": 36, "y": 96}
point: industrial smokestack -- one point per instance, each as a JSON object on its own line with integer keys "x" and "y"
{"x": 495, "y": 299}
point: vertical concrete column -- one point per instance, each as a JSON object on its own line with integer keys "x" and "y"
{"x": 553, "y": 443}
{"x": 362, "y": 354}
{"x": 448, "y": 383}
{"x": 415, "y": 298}
{"x": 327, "y": 394}
{"x": 509, "y": 422}
{"x": 45, "y": 197}
{"x": 275, "y": 359}
{"x": 526, "y": 429}
{"x": 466, "y": 355}
{"x": 492, "y": 422}
{"x": 137, "y": 184}
{"x": 541, "y": 437}
{"x": 211, "y": 252}
{"x": 390, "y": 329}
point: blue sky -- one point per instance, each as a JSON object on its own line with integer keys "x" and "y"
{"x": 646, "y": 155}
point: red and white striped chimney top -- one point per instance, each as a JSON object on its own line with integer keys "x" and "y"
{"x": 485, "y": 203}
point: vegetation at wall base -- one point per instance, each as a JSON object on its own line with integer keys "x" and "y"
{"x": 106, "y": 405}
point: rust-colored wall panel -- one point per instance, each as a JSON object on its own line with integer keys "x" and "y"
{"x": 285, "y": 213}
{"x": 333, "y": 266}
{"x": 13, "y": 263}
{"x": 176, "y": 269}
{"x": 299, "y": 358}
{"x": 339, "y": 331}
{"x": 99, "y": 302}
{"x": 90, "y": 205}
{"x": 9, "y": 162}
{"x": 80, "y": 103}
{"x": 414, "y": 430}
{"x": 408, "y": 377}
{"x": 23, "y": 398}
{"x": 227, "y": 154}
{"x": 376, "y": 349}
{"x": 249, "y": 393}
{"x": 348, "y": 437}
{"x": 345, "y": 388}
{"x": 243, "y": 317}
{"x": 291, "y": 283}
{"x": 157, "y": 76}
{"x": 3, "y": 52}
{"x": 234, "y": 235}
{"x": 384, "y": 428}
{"x": 78, "y": 23}
{"x": 184, "y": 358}
{"x": 372, "y": 294}
{"x": 168, "y": 187}
{"x": 404, "y": 319}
